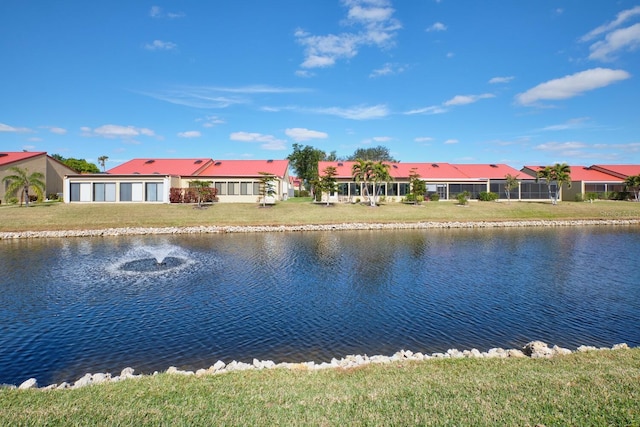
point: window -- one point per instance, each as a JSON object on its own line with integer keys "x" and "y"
{"x": 221, "y": 187}
{"x": 104, "y": 192}
{"x": 154, "y": 192}
{"x": 75, "y": 192}
{"x": 233, "y": 188}
{"x": 244, "y": 188}
{"x": 404, "y": 189}
{"x": 256, "y": 188}
{"x": 125, "y": 192}
{"x": 80, "y": 192}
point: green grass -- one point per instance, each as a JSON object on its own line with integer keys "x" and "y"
{"x": 59, "y": 216}
{"x": 585, "y": 389}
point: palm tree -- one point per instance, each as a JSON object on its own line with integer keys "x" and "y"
{"x": 362, "y": 170}
{"x": 21, "y": 181}
{"x": 102, "y": 160}
{"x": 379, "y": 175}
{"x": 560, "y": 173}
{"x": 633, "y": 183}
{"x": 510, "y": 183}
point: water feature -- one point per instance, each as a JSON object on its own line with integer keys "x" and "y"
{"x": 71, "y": 306}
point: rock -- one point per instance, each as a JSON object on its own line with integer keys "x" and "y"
{"x": 218, "y": 366}
{"x": 622, "y": 346}
{"x": 584, "y": 348}
{"x": 559, "y": 351}
{"x": 30, "y": 383}
{"x": 100, "y": 378}
{"x": 496, "y": 353}
{"x": 537, "y": 349}
{"x": 515, "y": 353}
{"x": 127, "y": 373}
{"x": 84, "y": 381}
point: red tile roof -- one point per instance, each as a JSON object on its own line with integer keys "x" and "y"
{"x": 178, "y": 167}
{"x": 8, "y": 157}
{"x": 433, "y": 171}
{"x": 620, "y": 171}
{"x": 245, "y": 168}
{"x": 584, "y": 173}
{"x": 491, "y": 171}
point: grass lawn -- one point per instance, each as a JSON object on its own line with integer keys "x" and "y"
{"x": 59, "y": 216}
{"x": 583, "y": 389}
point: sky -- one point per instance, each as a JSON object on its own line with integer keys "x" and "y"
{"x": 527, "y": 82}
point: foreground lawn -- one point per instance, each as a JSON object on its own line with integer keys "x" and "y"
{"x": 59, "y": 216}
{"x": 585, "y": 389}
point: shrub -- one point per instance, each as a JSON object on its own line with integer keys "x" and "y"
{"x": 591, "y": 196}
{"x": 434, "y": 197}
{"x": 298, "y": 193}
{"x": 419, "y": 199}
{"x": 463, "y": 197}
{"x": 409, "y": 198}
{"x": 487, "y": 196}
{"x": 578, "y": 198}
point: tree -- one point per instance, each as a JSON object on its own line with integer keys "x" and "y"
{"x": 560, "y": 173}
{"x": 378, "y": 154}
{"x": 510, "y": 183}
{"x": 21, "y": 181}
{"x": 103, "y": 160}
{"x": 418, "y": 186}
{"x": 304, "y": 161}
{"x": 361, "y": 172}
{"x": 267, "y": 189}
{"x": 78, "y": 165}
{"x": 632, "y": 183}
{"x": 201, "y": 189}
{"x": 380, "y": 174}
{"x": 327, "y": 182}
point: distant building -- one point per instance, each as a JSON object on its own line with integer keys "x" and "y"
{"x": 151, "y": 180}
{"x": 53, "y": 170}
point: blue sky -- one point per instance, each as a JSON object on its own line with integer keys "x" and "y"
{"x": 461, "y": 81}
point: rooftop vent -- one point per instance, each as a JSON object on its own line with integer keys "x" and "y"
{"x": 395, "y": 166}
{"x": 493, "y": 166}
{"x": 435, "y": 165}
{"x": 3, "y": 154}
{"x": 217, "y": 163}
{"x": 148, "y": 162}
{"x": 197, "y": 162}
{"x": 156, "y": 173}
{"x": 270, "y": 161}
{"x": 340, "y": 164}
{"x": 136, "y": 173}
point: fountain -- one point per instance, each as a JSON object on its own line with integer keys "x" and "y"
{"x": 152, "y": 259}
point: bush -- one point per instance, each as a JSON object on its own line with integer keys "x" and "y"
{"x": 434, "y": 197}
{"x": 463, "y": 197}
{"x": 303, "y": 193}
{"x": 190, "y": 195}
{"x": 487, "y": 196}
{"x": 591, "y": 196}
{"x": 578, "y": 198}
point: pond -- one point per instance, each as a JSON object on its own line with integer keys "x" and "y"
{"x": 72, "y": 306}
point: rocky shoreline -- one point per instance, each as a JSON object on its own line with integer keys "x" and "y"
{"x": 135, "y": 231}
{"x": 533, "y": 350}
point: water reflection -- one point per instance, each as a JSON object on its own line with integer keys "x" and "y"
{"x": 67, "y": 307}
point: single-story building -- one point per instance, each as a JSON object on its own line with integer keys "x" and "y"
{"x": 444, "y": 179}
{"x": 151, "y": 180}
{"x": 53, "y": 170}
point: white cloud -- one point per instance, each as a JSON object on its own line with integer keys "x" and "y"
{"x": 434, "y": 109}
{"x": 616, "y": 41}
{"x": 304, "y": 73}
{"x": 374, "y": 24}
{"x": 620, "y": 19}
{"x": 268, "y": 142}
{"x": 438, "y": 26}
{"x": 572, "y": 85}
{"x": 302, "y": 134}
{"x": 569, "y": 124}
{"x": 116, "y": 131}
{"x": 7, "y": 128}
{"x": 211, "y": 121}
{"x": 560, "y": 146}
{"x": 57, "y": 130}
{"x": 360, "y": 112}
{"x": 160, "y": 45}
{"x": 157, "y": 12}
{"x": 423, "y": 139}
{"x": 387, "y": 69}
{"x": 451, "y": 141}
{"x": 496, "y": 80}
{"x": 190, "y": 134}
{"x": 467, "y": 99}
